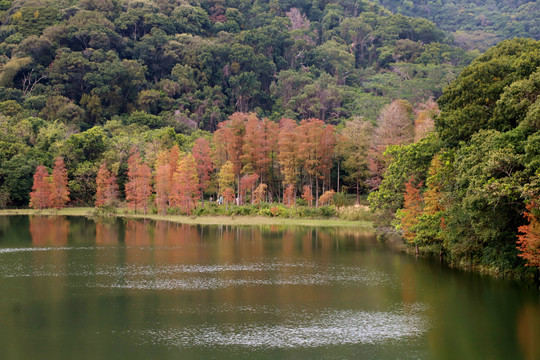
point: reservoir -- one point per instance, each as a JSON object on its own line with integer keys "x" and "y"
{"x": 74, "y": 288}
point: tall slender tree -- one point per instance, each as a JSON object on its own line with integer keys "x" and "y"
{"x": 529, "y": 237}
{"x": 202, "y": 155}
{"x": 185, "y": 188}
{"x": 138, "y": 188}
{"x": 59, "y": 184}
{"x": 41, "y": 189}
{"x": 106, "y": 187}
{"x": 162, "y": 181}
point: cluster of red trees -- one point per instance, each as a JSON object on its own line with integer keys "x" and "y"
{"x": 50, "y": 191}
{"x": 250, "y": 159}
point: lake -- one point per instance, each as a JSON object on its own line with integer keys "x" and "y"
{"x": 71, "y": 288}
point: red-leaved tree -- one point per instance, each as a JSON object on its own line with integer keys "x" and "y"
{"x": 41, "y": 190}
{"x": 412, "y": 209}
{"x": 162, "y": 181}
{"x": 202, "y": 154}
{"x": 185, "y": 188}
{"x": 529, "y": 237}
{"x": 59, "y": 184}
{"x": 138, "y": 189}
{"x": 106, "y": 187}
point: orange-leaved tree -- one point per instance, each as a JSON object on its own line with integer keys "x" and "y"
{"x": 288, "y": 155}
{"x": 41, "y": 190}
{"x": 259, "y": 193}
{"x": 185, "y": 188}
{"x": 412, "y": 209}
{"x": 162, "y": 181}
{"x": 228, "y": 197}
{"x": 202, "y": 154}
{"x": 289, "y": 196}
{"x": 529, "y": 237}
{"x": 327, "y": 198}
{"x": 247, "y": 183}
{"x": 138, "y": 189}
{"x": 307, "y": 195}
{"x": 106, "y": 187}
{"x": 59, "y": 184}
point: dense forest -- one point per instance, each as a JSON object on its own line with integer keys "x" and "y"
{"x": 472, "y": 186}
{"x": 477, "y": 24}
{"x": 90, "y": 79}
{"x": 281, "y": 101}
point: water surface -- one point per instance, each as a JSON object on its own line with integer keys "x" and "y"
{"x": 71, "y": 288}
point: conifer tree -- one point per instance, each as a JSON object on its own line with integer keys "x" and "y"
{"x": 106, "y": 187}
{"x": 41, "y": 190}
{"x": 201, "y": 153}
{"x": 185, "y": 188}
{"x": 162, "y": 181}
{"x": 138, "y": 189}
{"x": 59, "y": 184}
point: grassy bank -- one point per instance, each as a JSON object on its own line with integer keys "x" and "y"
{"x": 202, "y": 220}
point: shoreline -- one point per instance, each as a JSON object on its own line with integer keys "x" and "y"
{"x": 200, "y": 220}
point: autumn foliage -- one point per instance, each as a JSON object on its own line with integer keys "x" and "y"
{"x": 529, "y": 237}
{"x": 138, "y": 189}
{"x": 41, "y": 190}
{"x": 59, "y": 185}
{"x": 185, "y": 187}
{"x": 106, "y": 187}
{"x": 412, "y": 209}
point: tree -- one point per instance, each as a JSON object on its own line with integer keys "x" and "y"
{"x": 424, "y": 123}
{"x": 201, "y": 153}
{"x": 247, "y": 183}
{"x": 107, "y": 187}
{"x": 40, "y": 197}
{"x": 307, "y": 195}
{"x": 327, "y": 197}
{"x": 185, "y": 188}
{"x": 317, "y": 142}
{"x": 228, "y": 197}
{"x": 59, "y": 184}
{"x": 259, "y": 193}
{"x": 289, "y": 196}
{"x": 529, "y": 237}
{"x": 477, "y": 92}
{"x": 138, "y": 189}
{"x": 226, "y": 176}
{"x": 162, "y": 181}
{"x": 412, "y": 209}
{"x": 354, "y": 145}
{"x": 288, "y": 154}
{"x": 394, "y": 127}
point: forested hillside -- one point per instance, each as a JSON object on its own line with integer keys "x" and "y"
{"x": 476, "y": 24}
{"x": 468, "y": 190}
{"x": 90, "y": 79}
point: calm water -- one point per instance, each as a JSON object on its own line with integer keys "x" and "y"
{"x": 73, "y": 289}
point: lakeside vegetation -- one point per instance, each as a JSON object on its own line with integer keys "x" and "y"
{"x": 201, "y": 220}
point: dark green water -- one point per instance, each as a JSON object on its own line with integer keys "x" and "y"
{"x": 71, "y": 289}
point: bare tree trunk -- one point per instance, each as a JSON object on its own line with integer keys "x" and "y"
{"x": 357, "y": 192}
{"x": 317, "y": 191}
{"x": 338, "y": 176}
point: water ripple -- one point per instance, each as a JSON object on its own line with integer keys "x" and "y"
{"x": 333, "y": 328}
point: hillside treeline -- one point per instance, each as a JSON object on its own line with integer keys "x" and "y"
{"x": 472, "y": 187}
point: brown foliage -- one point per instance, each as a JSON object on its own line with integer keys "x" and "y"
{"x": 529, "y": 237}
{"x": 138, "y": 189}
{"x": 59, "y": 184}
{"x": 41, "y": 190}
{"x": 106, "y": 187}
